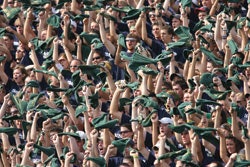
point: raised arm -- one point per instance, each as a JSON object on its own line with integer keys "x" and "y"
{"x": 20, "y": 37}
{"x": 235, "y": 126}
{"x": 141, "y": 141}
{"x": 155, "y": 120}
{"x": 114, "y": 112}
{"x": 112, "y": 28}
{"x": 71, "y": 110}
{"x": 118, "y": 60}
{"x": 79, "y": 48}
{"x": 214, "y": 7}
{"x": 33, "y": 132}
{"x": 3, "y": 75}
{"x": 144, "y": 30}
{"x": 223, "y": 150}
{"x": 66, "y": 40}
{"x": 34, "y": 59}
{"x": 27, "y": 29}
{"x": 217, "y": 32}
{"x": 191, "y": 71}
{"x": 160, "y": 76}
{"x": 143, "y": 86}
{"x": 110, "y": 47}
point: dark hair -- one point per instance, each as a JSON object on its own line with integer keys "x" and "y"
{"x": 169, "y": 29}
{"x": 56, "y": 129}
{"x": 128, "y": 126}
{"x": 218, "y": 164}
{"x": 9, "y": 35}
{"x": 238, "y": 144}
{"x": 183, "y": 84}
{"x": 124, "y": 164}
{"x": 132, "y": 35}
{"x": 80, "y": 61}
{"x": 100, "y": 52}
{"x": 22, "y": 69}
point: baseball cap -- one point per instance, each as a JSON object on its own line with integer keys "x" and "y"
{"x": 166, "y": 120}
{"x": 201, "y": 9}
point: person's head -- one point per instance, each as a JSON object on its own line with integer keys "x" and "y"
{"x": 137, "y": 92}
{"x": 176, "y": 77}
{"x": 80, "y": 142}
{"x": 126, "y": 131}
{"x": 202, "y": 15}
{"x": 128, "y": 160}
{"x": 20, "y": 53}
{"x": 207, "y": 3}
{"x": 186, "y": 138}
{"x": 94, "y": 27}
{"x": 247, "y": 72}
{"x": 223, "y": 117}
{"x": 131, "y": 41}
{"x": 43, "y": 35}
{"x": 132, "y": 29}
{"x": 240, "y": 99}
{"x": 179, "y": 87}
{"x": 226, "y": 128}
{"x": 156, "y": 31}
{"x": 152, "y": 17}
{"x": 14, "y": 111}
{"x": 19, "y": 74}
{"x": 163, "y": 127}
{"x": 202, "y": 12}
{"x": 98, "y": 57}
{"x": 102, "y": 150}
{"x": 234, "y": 7}
{"x": 54, "y": 131}
{"x": 166, "y": 34}
{"x": 210, "y": 66}
{"x": 63, "y": 61}
{"x": 188, "y": 97}
{"x": 130, "y": 23}
{"x": 19, "y": 26}
{"x": 9, "y": 40}
{"x": 233, "y": 145}
{"x": 11, "y": 3}
{"x": 176, "y": 21}
{"x": 74, "y": 65}
{"x": 173, "y": 99}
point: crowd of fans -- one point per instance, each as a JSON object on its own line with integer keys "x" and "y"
{"x": 128, "y": 83}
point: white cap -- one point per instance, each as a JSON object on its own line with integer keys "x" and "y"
{"x": 73, "y": 23}
{"x": 166, "y": 120}
{"x": 81, "y": 134}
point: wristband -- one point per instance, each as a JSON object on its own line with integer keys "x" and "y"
{"x": 224, "y": 37}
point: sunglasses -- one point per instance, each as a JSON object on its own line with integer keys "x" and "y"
{"x": 123, "y": 132}
{"x": 96, "y": 58}
{"x": 73, "y": 66}
{"x": 130, "y": 40}
{"x": 152, "y": 15}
